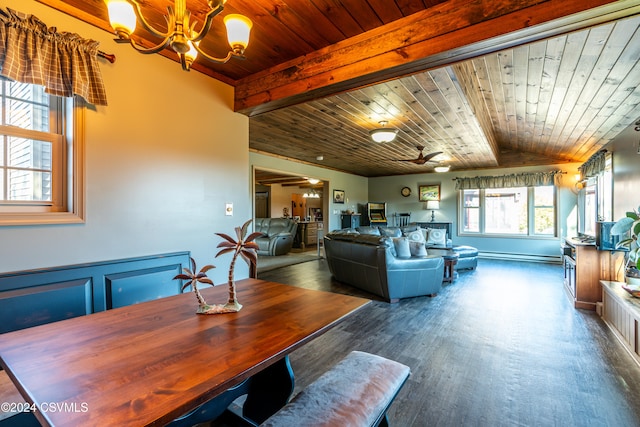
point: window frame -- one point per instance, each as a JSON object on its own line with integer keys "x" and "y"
{"x": 531, "y": 234}
{"x": 67, "y": 205}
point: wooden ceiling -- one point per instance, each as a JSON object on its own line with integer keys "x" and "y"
{"x": 553, "y": 101}
{"x": 268, "y": 178}
{"x": 489, "y": 83}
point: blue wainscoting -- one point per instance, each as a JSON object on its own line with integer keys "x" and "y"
{"x": 35, "y": 297}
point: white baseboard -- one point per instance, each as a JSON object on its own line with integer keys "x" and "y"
{"x": 553, "y": 259}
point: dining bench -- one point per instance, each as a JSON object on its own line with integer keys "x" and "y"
{"x": 356, "y": 392}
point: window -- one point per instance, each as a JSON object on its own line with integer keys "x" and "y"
{"x": 40, "y": 156}
{"x": 517, "y": 211}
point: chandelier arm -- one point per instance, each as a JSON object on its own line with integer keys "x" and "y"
{"x": 186, "y": 64}
{"x": 218, "y": 60}
{"x": 207, "y": 22}
{"x": 170, "y": 18}
{"x": 158, "y": 48}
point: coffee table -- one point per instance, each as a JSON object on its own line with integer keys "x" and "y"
{"x": 450, "y": 260}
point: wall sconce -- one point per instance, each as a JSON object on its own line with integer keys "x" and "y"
{"x": 433, "y": 206}
{"x": 383, "y": 134}
{"x": 180, "y": 35}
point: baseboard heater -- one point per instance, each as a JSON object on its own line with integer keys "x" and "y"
{"x": 553, "y": 259}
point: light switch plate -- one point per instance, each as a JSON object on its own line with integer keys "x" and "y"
{"x": 228, "y": 209}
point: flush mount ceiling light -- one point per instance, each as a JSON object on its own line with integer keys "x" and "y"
{"x": 313, "y": 181}
{"x": 442, "y": 168}
{"x": 383, "y": 134}
{"x": 180, "y": 35}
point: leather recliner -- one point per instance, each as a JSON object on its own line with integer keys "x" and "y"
{"x": 278, "y": 234}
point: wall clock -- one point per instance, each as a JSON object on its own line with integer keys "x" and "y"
{"x": 406, "y": 191}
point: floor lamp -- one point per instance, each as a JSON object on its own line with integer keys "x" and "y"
{"x": 433, "y": 206}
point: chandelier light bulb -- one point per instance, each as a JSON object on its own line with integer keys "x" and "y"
{"x": 238, "y": 31}
{"x": 121, "y": 16}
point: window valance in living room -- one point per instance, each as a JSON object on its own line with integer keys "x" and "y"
{"x": 594, "y": 166}
{"x": 64, "y": 63}
{"x": 528, "y": 179}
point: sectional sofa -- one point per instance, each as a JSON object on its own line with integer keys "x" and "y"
{"x": 371, "y": 263}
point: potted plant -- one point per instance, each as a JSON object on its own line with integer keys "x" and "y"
{"x": 629, "y": 228}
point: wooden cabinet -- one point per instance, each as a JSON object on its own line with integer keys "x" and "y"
{"x": 349, "y": 220}
{"x": 306, "y": 234}
{"x": 584, "y": 267}
{"x": 311, "y": 234}
{"x": 621, "y": 312}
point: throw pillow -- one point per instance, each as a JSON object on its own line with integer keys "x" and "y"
{"x": 402, "y": 247}
{"x": 437, "y": 237}
{"x": 415, "y": 236}
{"x": 418, "y": 249}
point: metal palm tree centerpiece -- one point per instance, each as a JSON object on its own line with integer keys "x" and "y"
{"x": 246, "y": 248}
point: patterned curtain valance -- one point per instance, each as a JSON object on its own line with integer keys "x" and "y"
{"x": 64, "y": 63}
{"x": 532, "y": 179}
{"x": 594, "y": 166}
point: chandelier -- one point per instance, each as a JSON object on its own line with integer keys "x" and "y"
{"x": 181, "y": 35}
{"x": 311, "y": 195}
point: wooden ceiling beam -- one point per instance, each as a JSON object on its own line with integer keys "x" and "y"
{"x": 449, "y": 32}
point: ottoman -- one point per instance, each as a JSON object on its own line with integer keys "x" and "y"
{"x": 467, "y": 257}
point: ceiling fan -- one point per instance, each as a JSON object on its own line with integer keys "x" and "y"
{"x": 422, "y": 159}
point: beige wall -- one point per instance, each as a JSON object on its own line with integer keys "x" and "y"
{"x": 155, "y": 181}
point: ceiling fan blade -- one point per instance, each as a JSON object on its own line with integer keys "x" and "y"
{"x": 431, "y": 156}
{"x": 422, "y": 159}
{"x": 406, "y": 160}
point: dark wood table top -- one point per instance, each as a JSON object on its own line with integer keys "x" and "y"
{"x": 149, "y": 363}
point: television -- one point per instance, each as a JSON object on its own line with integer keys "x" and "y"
{"x": 605, "y": 241}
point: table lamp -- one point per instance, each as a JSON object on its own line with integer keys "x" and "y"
{"x": 433, "y": 205}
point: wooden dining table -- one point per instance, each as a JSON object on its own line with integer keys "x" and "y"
{"x": 151, "y": 363}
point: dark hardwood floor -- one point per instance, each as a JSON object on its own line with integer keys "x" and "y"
{"x": 501, "y": 346}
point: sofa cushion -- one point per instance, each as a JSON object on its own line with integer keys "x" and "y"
{"x": 390, "y": 231}
{"x": 369, "y": 230}
{"x": 437, "y": 237}
{"x": 401, "y": 245}
{"x": 409, "y": 228}
{"x": 278, "y": 225}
